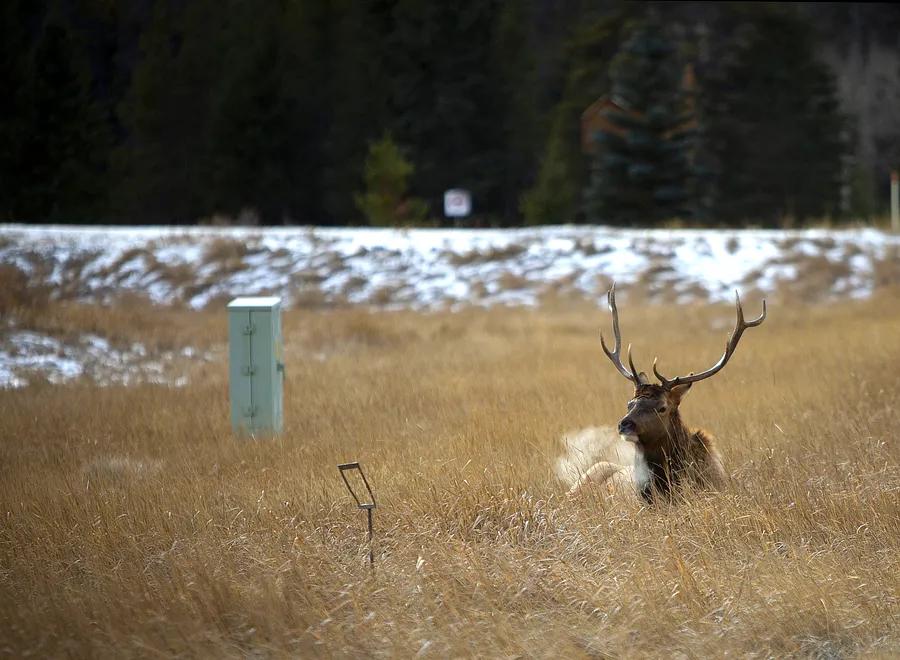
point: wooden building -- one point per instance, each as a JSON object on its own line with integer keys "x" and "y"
{"x": 595, "y": 117}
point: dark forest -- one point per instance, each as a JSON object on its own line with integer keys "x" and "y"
{"x": 336, "y": 112}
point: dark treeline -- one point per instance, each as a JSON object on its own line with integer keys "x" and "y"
{"x": 347, "y": 112}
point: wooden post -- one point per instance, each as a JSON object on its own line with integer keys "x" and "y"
{"x": 895, "y": 201}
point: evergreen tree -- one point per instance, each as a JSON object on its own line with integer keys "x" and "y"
{"x": 445, "y": 102}
{"x": 384, "y": 202}
{"x": 563, "y": 171}
{"x": 163, "y": 168}
{"x": 213, "y": 106}
{"x": 56, "y": 139}
{"x": 263, "y": 122}
{"x": 772, "y": 125}
{"x": 358, "y": 90}
{"x": 14, "y": 111}
{"x": 642, "y": 172}
{"x": 554, "y": 197}
{"x": 514, "y": 70}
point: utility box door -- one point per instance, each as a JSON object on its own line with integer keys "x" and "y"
{"x": 255, "y": 364}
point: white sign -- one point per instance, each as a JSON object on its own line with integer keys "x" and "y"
{"x": 457, "y": 203}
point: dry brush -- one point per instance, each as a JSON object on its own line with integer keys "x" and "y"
{"x": 134, "y": 524}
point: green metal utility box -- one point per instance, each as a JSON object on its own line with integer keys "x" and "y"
{"x": 255, "y": 364}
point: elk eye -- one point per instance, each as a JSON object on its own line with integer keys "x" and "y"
{"x": 661, "y": 409}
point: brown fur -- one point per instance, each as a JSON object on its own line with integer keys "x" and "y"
{"x": 666, "y": 452}
{"x": 673, "y": 453}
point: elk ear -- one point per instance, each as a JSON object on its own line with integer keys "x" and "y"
{"x": 678, "y": 392}
{"x": 644, "y": 378}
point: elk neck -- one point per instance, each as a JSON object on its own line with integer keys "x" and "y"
{"x": 665, "y": 454}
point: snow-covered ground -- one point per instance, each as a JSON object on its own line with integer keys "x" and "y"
{"x": 25, "y": 355}
{"x": 437, "y": 268}
{"x": 420, "y": 269}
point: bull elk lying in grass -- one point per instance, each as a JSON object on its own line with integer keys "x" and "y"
{"x": 667, "y": 453}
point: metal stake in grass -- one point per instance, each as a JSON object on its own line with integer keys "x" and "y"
{"x": 368, "y": 506}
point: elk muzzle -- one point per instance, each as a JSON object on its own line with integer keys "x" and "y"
{"x": 627, "y": 427}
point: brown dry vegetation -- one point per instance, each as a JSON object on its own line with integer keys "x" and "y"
{"x": 134, "y": 524}
{"x": 500, "y": 253}
{"x": 130, "y": 319}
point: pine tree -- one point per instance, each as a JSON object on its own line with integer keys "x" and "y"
{"x": 773, "y": 131}
{"x": 563, "y": 171}
{"x": 163, "y": 168}
{"x": 358, "y": 89}
{"x": 643, "y": 167}
{"x": 445, "y": 101}
{"x": 515, "y": 72}
{"x": 384, "y": 202}
{"x": 263, "y": 142}
{"x": 56, "y": 142}
{"x": 14, "y": 112}
{"x": 554, "y": 197}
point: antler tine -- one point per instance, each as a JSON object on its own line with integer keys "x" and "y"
{"x": 635, "y": 374}
{"x": 662, "y": 379}
{"x": 615, "y": 355}
{"x": 755, "y": 322}
{"x": 730, "y": 347}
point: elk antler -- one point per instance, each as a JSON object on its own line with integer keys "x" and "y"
{"x": 730, "y": 346}
{"x": 615, "y": 355}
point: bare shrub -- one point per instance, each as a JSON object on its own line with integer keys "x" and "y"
{"x": 18, "y": 294}
{"x": 180, "y": 274}
{"x": 310, "y": 297}
{"x": 887, "y": 270}
{"x": 354, "y": 283}
{"x": 509, "y": 281}
{"x": 500, "y": 253}
{"x": 248, "y": 217}
{"x": 126, "y": 257}
{"x": 224, "y": 250}
{"x": 384, "y": 295}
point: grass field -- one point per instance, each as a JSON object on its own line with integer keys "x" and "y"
{"x": 135, "y": 525}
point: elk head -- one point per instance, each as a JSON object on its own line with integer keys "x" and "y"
{"x": 653, "y": 410}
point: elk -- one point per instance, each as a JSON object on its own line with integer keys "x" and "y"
{"x": 667, "y": 453}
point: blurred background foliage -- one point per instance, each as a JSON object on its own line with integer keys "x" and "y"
{"x": 172, "y": 111}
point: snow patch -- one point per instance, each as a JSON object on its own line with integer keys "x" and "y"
{"x": 26, "y": 354}
{"x": 435, "y": 268}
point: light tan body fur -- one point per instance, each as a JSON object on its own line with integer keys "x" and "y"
{"x": 703, "y": 468}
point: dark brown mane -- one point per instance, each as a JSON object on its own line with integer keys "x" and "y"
{"x": 684, "y": 455}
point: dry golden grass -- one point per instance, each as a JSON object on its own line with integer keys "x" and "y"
{"x": 131, "y": 319}
{"x": 135, "y": 525}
